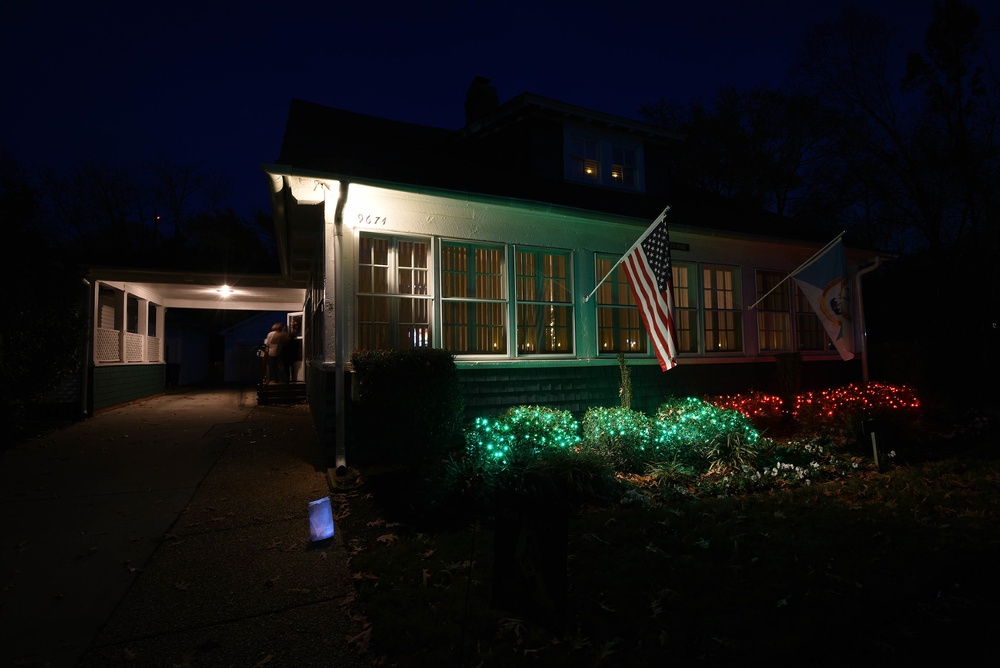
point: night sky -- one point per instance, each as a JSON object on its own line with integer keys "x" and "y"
{"x": 210, "y": 81}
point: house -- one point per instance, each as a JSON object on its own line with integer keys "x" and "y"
{"x": 489, "y": 240}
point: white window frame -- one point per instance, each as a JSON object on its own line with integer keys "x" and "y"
{"x": 393, "y": 293}
{"x": 445, "y": 301}
{"x": 544, "y": 284}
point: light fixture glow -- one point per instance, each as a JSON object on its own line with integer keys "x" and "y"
{"x": 225, "y": 291}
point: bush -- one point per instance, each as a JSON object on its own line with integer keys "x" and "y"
{"x": 855, "y": 410}
{"x": 519, "y": 436}
{"x": 621, "y": 435}
{"x": 410, "y": 403}
{"x": 529, "y": 450}
{"x": 702, "y": 436}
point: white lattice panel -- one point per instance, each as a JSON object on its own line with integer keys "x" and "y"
{"x": 133, "y": 347}
{"x": 153, "y": 346}
{"x": 106, "y": 346}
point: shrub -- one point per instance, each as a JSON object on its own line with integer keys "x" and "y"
{"x": 853, "y": 410}
{"x": 532, "y": 451}
{"x": 701, "y": 436}
{"x": 410, "y": 403}
{"x": 731, "y": 452}
{"x": 519, "y": 436}
{"x": 623, "y": 436}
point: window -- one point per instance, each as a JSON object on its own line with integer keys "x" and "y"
{"x": 585, "y": 159}
{"x": 723, "y": 309}
{"x": 393, "y": 296}
{"x": 686, "y": 307}
{"x": 774, "y": 318}
{"x": 473, "y": 299}
{"x": 812, "y": 334}
{"x": 623, "y": 166}
{"x": 605, "y": 161}
{"x": 544, "y": 302}
{"x": 619, "y": 325}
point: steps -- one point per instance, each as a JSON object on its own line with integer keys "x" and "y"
{"x": 281, "y": 393}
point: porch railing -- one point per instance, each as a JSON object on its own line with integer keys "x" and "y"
{"x": 138, "y": 348}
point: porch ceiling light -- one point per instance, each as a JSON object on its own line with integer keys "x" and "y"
{"x": 225, "y": 291}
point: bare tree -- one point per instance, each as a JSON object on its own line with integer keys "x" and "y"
{"x": 184, "y": 190}
{"x": 916, "y": 156}
{"x": 746, "y": 146}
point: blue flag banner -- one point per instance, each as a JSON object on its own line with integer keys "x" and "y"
{"x": 824, "y": 283}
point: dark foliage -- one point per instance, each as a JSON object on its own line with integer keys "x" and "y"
{"x": 420, "y": 390}
{"x": 43, "y": 329}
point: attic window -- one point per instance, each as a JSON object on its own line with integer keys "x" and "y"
{"x": 623, "y": 166}
{"x": 613, "y": 162}
{"x": 586, "y": 158}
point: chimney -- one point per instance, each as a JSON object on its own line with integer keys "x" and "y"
{"x": 480, "y": 100}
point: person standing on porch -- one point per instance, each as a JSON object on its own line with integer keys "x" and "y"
{"x": 275, "y": 341}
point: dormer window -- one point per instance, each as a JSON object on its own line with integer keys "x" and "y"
{"x": 586, "y": 159}
{"x": 623, "y": 166}
{"x": 603, "y": 161}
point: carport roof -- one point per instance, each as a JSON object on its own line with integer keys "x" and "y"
{"x": 260, "y": 292}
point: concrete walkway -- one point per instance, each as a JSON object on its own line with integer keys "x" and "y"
{"x": 172, "y": 531}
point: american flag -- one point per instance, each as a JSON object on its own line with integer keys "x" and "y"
{"x": 647, "y": 266}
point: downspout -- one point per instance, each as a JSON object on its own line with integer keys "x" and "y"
{"x": 861, "y": 311}
{"x": 340, "y": 320}
{"x": 88, "y": 350}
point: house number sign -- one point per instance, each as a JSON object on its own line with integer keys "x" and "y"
{"x": 368, "y": 219}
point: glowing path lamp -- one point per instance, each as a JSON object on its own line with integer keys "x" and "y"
{"x": 320, "y": 519}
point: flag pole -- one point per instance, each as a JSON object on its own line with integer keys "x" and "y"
{"x": 625, "y": 255}
{"x": 797, "y": 270}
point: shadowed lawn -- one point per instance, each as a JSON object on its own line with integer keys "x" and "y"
{"x": 869, "y": 568}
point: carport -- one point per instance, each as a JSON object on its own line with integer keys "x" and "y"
{"x": 127, "y": 310}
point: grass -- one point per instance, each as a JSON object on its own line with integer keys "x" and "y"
{"x": 828, "y": 562}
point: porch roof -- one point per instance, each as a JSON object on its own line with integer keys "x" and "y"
{"x": 261, "y": 292}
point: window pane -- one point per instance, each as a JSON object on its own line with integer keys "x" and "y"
{"x": 811, "y": 333}
{"x": 373, "y": 322}
{"x": 473, "y": 315}
{"x": 542, "y": 281}
{"x": 685, "y": 307}
{"x": 454, "y": 264}
{"x": 773, "y": 330}
{"x": 620, "y": 330}
{"x": 392, "y": 267}
{"x": 488, "y": 273}
{"x": 686, "y": 326}
{"x": 774, "y": 321}
{"x": 723, "y": 331}
{"x": 544, "y": 329}
{"x": 619, "y": 325}
{"x": 723, "y": 304}
{"x": 472, "y": 327}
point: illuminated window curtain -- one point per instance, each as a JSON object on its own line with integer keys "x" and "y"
{"x": 393, "y": 295}
{"x": 473, "y": 299}
{"x": 619, "y": 325}
{"x": 774, "y": 317}
{"x": 544, "y": 302}
{"x": 808, "y": 327}
{"x": 686, "y": 307}
{"x": 723, "y": 309}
